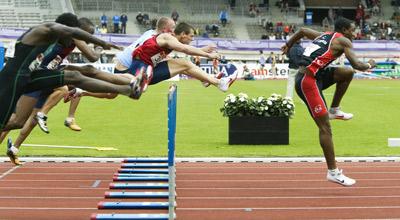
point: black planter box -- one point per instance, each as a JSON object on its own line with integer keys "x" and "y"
{"x": 259, "y": 130}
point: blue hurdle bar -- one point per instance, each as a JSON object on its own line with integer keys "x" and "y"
{"x": 136, "y": 195}
{"x": 145, "y": 160}
{"x": 159, "y": 171}
{"x": 142, "y": 178}
{"x": 172, "y": 102}
{"x": 138, "y": 185}
{"x": 133, "y": 205}
{"x": 129, "y": 216}
{"x": 145, "y": 165}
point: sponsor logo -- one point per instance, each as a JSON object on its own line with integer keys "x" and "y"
{"x": 318, "y": 109}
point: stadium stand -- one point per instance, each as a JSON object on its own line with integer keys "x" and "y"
{"x": 26, "y": 13}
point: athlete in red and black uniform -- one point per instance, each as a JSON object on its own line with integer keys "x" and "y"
{"x": 315, "y": 75}
{"x": 153, "y": 54}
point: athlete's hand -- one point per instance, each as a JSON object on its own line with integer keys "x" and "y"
{"x": 108, "y": 46}
{"x": 285, "y": 49}
{"x": 209, "y": 48}
{"x": 372, "y": 63}
{"x": 214, "y": 55}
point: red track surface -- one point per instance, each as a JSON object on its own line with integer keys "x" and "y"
{"x": 217, "y": 191}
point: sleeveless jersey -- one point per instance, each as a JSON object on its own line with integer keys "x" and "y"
{"x": 55, "y": 50}
{"x": 318, "y": 54}
{"x": 150, "y": 52}
{"x": 125, "y": 57}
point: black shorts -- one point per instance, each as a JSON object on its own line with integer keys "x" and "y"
{"x": 309, "y": 89}
{"x": 45, "y": 79}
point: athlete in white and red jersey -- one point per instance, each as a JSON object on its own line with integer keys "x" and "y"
{"x": 314, "y": 76}
{"x": 153, "y": 53}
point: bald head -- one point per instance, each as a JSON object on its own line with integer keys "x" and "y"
{"x": 165, "y": 24}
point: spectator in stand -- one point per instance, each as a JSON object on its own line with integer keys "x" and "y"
{"x": 175, "y": 16}
{"x": 116, "y": 23}
{"x": 359, "y": 14}
{"x": 223, "y": 17}
{"x": 253, "y": 10}
{"x": 325, "y": 23}
{"x": 261, "y": 60}
{"x": 124, "y": 20}
{"x": 197, "y": 60}
{"x": 103, "y": 21}
{"x": 331, "y": 16}
{"x": 146, "y": 19}
{"x": 139, "y": 18}
{"x": 272, "y": 60}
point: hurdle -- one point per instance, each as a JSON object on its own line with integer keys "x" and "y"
{"x": 1, "y": 55}
{"x": 146, "y": 174}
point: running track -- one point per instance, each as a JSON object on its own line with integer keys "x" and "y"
{"x": 208, "y": 191}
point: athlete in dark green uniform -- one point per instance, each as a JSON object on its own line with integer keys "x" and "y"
{"x": 16, "y": 78}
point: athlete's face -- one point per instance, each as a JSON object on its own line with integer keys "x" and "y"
{"x": 350, "y": 32}
{"x": 187, "y": 38}
{"x": 170, "y": 27}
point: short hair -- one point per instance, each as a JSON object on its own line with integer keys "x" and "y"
{"x": 162, "y": 22}
{"x": 68, "y": 19}
{"x": 183, "y": 27}
{"x": 342, "y": 23}
{"x": 85, "y": 22}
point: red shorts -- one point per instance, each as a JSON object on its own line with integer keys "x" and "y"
{"x": 309, "y": 89}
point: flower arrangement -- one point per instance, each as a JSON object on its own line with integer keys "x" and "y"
{"x": 273, "y": 106}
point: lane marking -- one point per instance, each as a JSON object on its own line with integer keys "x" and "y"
{"x": 210, "y": 159}
{"x": 8, "y": 171}
{"x": 96, "y": 183}
{"x": 210, "y": 198}
{"x": 214, "y": 174}
{"x": 289, "y": 208}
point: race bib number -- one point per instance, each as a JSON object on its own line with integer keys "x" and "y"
{"x": 310, "y": 49}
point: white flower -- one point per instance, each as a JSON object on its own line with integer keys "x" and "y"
{"x": 242, "y": 99}
{"x": 260, "y": 99}
{"x": 269, "y": 102}
{"x": 233, "y": 99}
{"x": 244, "y": 95}
{"x": 265, "y": 108}
{"x": 289, "y": 106}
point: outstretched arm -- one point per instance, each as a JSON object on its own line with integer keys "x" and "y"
{"x": 65, "y": 31}
{"x": 302, "y": 32}
{"x": 351, "y": 56}
{"x": 89, "y": 53}
{"x": 166, "y": 40}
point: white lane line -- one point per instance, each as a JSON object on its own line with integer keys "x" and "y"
{"x": 216, "y": 174}
{"x": 55, "y": 197}
{"x": 286, "y": 197}
{"x": 25, "y": 180}
{"x": 44, "y": 208}
{"x": 213, "y": 198}
{"x": 96, "y": 183}
{"x": 216, "y": 180}
{"x": 53, "y": 188}
{"x": 288, "y": 208}
{"x": 9, "y": 171}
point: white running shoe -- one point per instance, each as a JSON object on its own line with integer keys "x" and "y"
{"x": 218, "y": 76}
{"x": 41, "y": 119}
{"x": 336, "y": 113}
{"x": 148, "y": 78}
{"x": 338, "y": 177}
{"x": 226, "y": 82}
